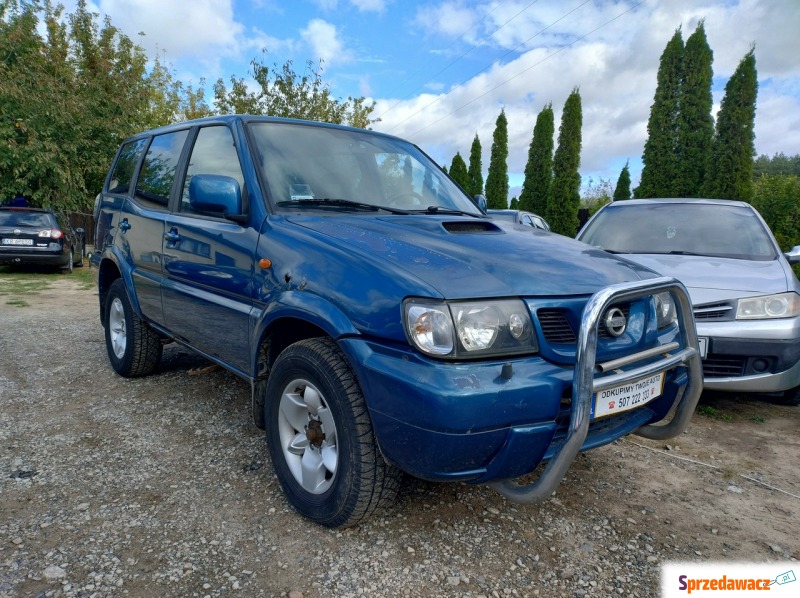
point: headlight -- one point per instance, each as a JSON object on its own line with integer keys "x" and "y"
{"x": 468, "y": 329}
{"x": 665, "y": 310}
{"x": 784, "y": 305}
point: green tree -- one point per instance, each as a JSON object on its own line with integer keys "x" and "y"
{"x": 659, "y": 157}
{"x": 695, "y": 123}
{"x": 730, "y": 172}
{"x": 458, "y": 171}
{"x": 623, "y": 188}
{"x": 514, "y": 204}
{"x": 777, "y": 198}
{"x": 475, "y": 169}
{"x": 562, "y": 208}
{"x": 596, "y": 195}
{"x": 778, "y": 164}
{"x": 497, "y": 179}
{"x": 539, "y": 168}
{"x": 76, "y": 89}
{"x": 283, "y": 92}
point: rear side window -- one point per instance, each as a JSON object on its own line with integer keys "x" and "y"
{"x": 122, "y": 173}
{"x": 158, "y": 171}
{"x": 213, "y": 153}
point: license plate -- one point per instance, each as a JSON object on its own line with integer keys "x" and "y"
{"x": 702, "y": 346}
{"x": 628, "y": 396}
{"x": 17, "y": 241}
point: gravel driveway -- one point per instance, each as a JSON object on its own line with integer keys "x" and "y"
{"x": 162, "y": 486}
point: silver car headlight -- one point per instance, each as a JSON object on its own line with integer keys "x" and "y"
{"x": 666, "y": 313}
{"x": 783, "y": 305}
{"x": 469, "y": 329}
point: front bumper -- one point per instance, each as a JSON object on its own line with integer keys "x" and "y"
{"x": 754, "y": 356}
{"x": 473, "y": 422}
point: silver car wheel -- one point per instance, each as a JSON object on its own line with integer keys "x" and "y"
{"x": 308, "y": 436}
{"x": 116, "y": 326}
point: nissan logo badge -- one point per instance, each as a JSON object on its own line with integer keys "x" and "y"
{"x": 615, "y": 321}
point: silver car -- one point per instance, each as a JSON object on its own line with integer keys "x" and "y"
{"x": 745, "y": 295}
{"x": 520, "y": 217}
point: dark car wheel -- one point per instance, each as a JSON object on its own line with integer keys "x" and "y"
{"x": 134, "y": 349}
{"x": 789, "y": 397}
{"x": 68, "y": 267}
{"x": 320, "y": 437}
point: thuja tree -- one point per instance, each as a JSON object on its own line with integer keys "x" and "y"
{"x": 695, "y": 123}
{"x": 623, "y": 189}
{"x": 497, "y": 179}
{"x": 562, "y": 208}
{"x": 539, "y": 168}
{"x": 659, "y": 157}
{"x": 475, "y": 169}
{"x": 730, "y": 172}
{"x": 458, "y": 171}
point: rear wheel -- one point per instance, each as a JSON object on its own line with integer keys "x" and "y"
{"x": 134, "y": 349}
{"x": 320, "y": 437}
{"x": 69, "y": 265}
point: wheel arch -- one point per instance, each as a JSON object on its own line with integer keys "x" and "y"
{"x": 292, "y": 318}
{"x": 109, "y": 270}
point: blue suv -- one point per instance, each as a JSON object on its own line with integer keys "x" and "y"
{"x": 384, "y": 322}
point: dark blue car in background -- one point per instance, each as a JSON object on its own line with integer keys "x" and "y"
{"x": 384, "y": 322}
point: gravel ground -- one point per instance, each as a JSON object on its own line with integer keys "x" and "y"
{"x": 162, "y": 486}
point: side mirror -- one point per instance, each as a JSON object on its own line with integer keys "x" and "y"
{"x": 793, "y": 255}
{"x": 215, "y": 193}
{"x": 481, "y": 201}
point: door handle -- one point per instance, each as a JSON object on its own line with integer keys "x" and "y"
{"x": 172, "y": 236}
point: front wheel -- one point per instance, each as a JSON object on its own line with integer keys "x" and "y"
{"x": 134, "y": 349}
{"x": 320, "y": 437}
{"x": 789, "y": 397}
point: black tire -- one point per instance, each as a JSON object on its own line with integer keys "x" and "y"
{"x": 316, "y": 371}
{"x": 789, "y": 397}
{"x": 134, "y": 349}
{"x": 68, "y": 267}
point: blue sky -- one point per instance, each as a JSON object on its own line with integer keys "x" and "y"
{"x": 441, "y": 70}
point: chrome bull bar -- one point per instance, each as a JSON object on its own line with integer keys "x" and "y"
{"x": 584, "y": 383}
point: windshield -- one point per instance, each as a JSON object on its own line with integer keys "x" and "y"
{"x": 681, "y": 228}
{"x": 309, "y": 167}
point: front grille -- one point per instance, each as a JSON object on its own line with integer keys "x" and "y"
{"x": 715, "y": 311}
{"x": 558, "y": 330}
{"x": 715, "y": 366}
{"x": 555, "y": 327}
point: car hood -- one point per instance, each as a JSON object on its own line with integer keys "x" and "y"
{"x": 711, "y": 279}
{"x": 472, "y": 258}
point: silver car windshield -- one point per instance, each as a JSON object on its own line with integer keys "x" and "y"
{"x": 310, "y": 167}
{"x": 712, "y": 230}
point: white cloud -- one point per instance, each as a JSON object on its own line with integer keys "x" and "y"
{"x": 451, "y": 19}
{"x": 323, "y": 39}
{"x": 198, "y": 29}
{"x": 614, "y": 66}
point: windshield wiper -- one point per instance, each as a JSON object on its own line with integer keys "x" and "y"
{"x": 441, "y": 210}
{"x": 342, "y": 203}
